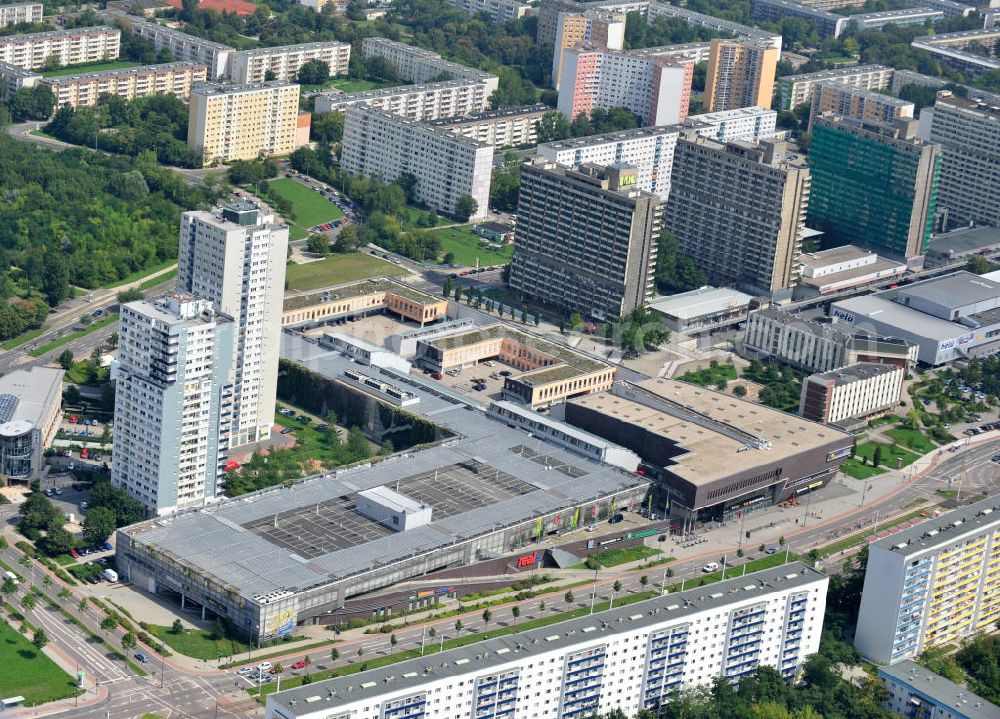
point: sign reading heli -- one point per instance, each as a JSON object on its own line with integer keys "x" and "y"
{"x": 526, "y": 560}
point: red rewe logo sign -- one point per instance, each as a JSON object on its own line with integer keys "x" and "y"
{"x": 526, "y": 560}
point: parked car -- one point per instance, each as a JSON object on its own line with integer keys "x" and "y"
{"x": 773, "y": 550}
{"x": 617, "y": 518}
{"x": 300, "y": 664}
{"x": 288, "y": 430}
{"x": 264, "y": 666}
{"x": 141, "y": 656}
{"x": 107, "y": 546}
{"x": 75, "y": 554}
{"x": 710, "y": 567}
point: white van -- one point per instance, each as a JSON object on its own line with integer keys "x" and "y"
{"x": 11, "y": 576}
{"x": 110, "y": 574}
{"x": 710, "y": 567}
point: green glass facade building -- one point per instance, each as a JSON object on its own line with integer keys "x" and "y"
{"x": 873, "y": 185}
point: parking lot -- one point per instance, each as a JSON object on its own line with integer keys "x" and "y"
{"x": 491, "y": 374}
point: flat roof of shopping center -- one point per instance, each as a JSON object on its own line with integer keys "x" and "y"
{"x": 484, "y": 478}
{"x": 356, "y": 289}
{"x": 722, "y": 434}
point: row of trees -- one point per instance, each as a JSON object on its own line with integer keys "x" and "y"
{"x": 554, "y": 125}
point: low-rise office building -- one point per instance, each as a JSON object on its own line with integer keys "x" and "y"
{"x": 842, "y": 268}
{"x": 72, "y": 47}
{"x": 717, "y": 455}
{"x": 795, "y": 90}
{"x": 85, "y": 89}
{"x": 508, "y": 127}
{"x": 549, "y": 373}
{"x": 564, "y": 435}
{"x": 17, "y": 13}
{"x": 702, "y": 310}
{"x": 213, "y": 55}
{"x": 948, "y": 317}
{"x": 913, "y": 690}
{"x": 243, "y": 122}
{"x": 369, "y": 355}
{"x": 360, "y": 299}
{"x": 819, "y": 347}
{"x": 650, "y": 150}
{"x": 447, "y": 166}
{"x": 625, "y": 660}
{"x": 30, "y": 414}
{"x": 744, "y": 123}
{"x": 849, "y": 396}
{"x": 856, "y": 103}
{"x": 432, "y": 101}
{"x": 283, "y": 62}
{"x": 932, "y": 584}
{"x": 963, "y": 244}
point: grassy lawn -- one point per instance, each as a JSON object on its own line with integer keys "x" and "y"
{"x": 613, "y": 557}
{"x": 311, "y": 208}
{"x": 737, "y": 570}
{"x": 81, "y": 372}
{"x": 24, "y": 338}
{"x": 912, "y": 439}
{"x": 467, "y": 246}
{"x": 140, "y": 274}
{"x": 28, "y": 672}
{"x": 197, "y": 643}
{"x": 72, "y": 336}
{"x": 159, "y": 279}
{"x": 337, "y": 269}
{"x": 888, "y": 419}
{"x": 709, "y": 376}
{"x": 889, "y": 454}
{"x": 859, "y": 537}
{"x": 92, "y": 67}
{"x": 854, "y": 468}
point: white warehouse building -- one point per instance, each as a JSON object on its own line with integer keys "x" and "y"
{"x": 625, "y": 659}
{"x": 448, "y": 166}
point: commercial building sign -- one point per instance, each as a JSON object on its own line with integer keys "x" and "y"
{"x": 837, "y": 454}
{"x": 842, "y": 315}
{"x": 527, "y": 560}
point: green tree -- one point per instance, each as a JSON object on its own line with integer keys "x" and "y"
{"x": 65, "y": 359}
{"x": 40, "y": 639}
{"x": 393, "y": 641}
{"x": 487, "y": 615}
{"x": 617, "y": 586}
{"x": 56, "y": 541}
{"x": 465, "y": 207}
{"x": 9, "y": 586}
{"x": 568, "y": 597}
{"x": 643, "y": 580}
{"x": 515, "y": 612}
{"x": 109, "y": 623}
{"x": 334, "y": 654}
{"x": 318, "y": 245}
{"x": 740, "y": 390}
{"x": 458, "y": 625}
{"x": 28, "y": 601}
{"x": 128, "y": 641}
{"x": 877, "y": 456}
{"x": 313, "y": 72}
{"x": 176, "y": 627}
{"x": 98, "y": 525}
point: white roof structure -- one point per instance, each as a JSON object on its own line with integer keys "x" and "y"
{"x": 700, "y": 302}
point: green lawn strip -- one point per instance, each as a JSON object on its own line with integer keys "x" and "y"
{"x": 198, "y": 643}
{"x": 296, "y": 233}
{"x": 311, "y": 208}
{"x": 614, "y": 557}
{"x": 338, "y": 269}
{"x": 889, "y": 454}
{"x": 23, "y": 338}
{"x": 709, "y": 376}
{"x": 89, "y": 67}
{"x": 912, "y": 439}
{"x": 853, "y": 540}
{"x": 272, "y": 655}
{"x": 28, "y": 672}
{"x": 854, "y": 468}
{"x": 433, "y": 647}
{"x": 81, "y": 373}
{"x": 159, "y": 279}
{"x": 140, "y": 274}
{"x": 467, "y": 246}
{"x": 7, "y": 567}
{"x": 73, "y": 336}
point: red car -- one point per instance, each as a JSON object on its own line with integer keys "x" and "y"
{"x": 300, "y": 664}
{"x": 75, "y": 554}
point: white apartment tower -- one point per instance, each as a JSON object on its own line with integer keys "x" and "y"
{"x": 236, "y": 259}
{"x": 172, "y": 397}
